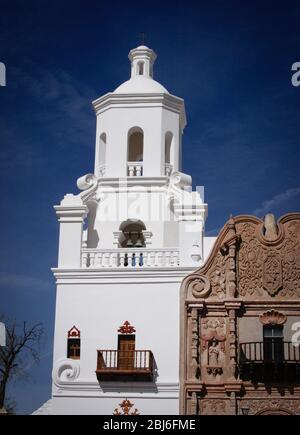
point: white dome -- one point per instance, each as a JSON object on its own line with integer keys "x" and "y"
{"x": 141, "y": 85}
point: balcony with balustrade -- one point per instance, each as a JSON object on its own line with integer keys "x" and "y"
{"x": 130, "y": 258}
{"x": 136, "y": 169}
{"x": 135, "y": 365}
{"x": 269, "y": 361}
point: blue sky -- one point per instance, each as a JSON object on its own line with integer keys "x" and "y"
{"x": 231, "y": 62}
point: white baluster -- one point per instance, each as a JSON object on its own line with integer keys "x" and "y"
{"x": 97, "y": 260}
{"x": 131, "y": 170}
{"x": 110, "y": 259}
{"x": 92, "y": 259}
{"x": 173, "y": 258}
{"x": 138, "y": 170}
{"x": 160, "y": 258}
{"x": 177, "y": 259}
{"x": 106, "y": 259}
{"x": 146, "y": 259}
{"x": 152, "y": 258}
{"x": 155, "y": 259}
{"x": 167, "y": 259}
{"x": 122, "y": 259}
{"x": 84, "y": 259}
{"x": 114, "y": 260}
{"x": 130, "y": 258}
{"x": 101, "y": 259}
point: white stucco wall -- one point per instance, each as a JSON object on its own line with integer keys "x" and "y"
{"x": 98, "y": 307}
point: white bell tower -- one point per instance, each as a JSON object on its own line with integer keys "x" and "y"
{"x": 125, "y": 244}
{"x": 139, "y": 125}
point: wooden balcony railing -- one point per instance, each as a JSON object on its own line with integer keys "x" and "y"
{"x": 270, "y": 360}
{"x": 128, "y": 365}
{"x": 271, "y": 351}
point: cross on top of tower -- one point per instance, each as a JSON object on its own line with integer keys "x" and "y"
{"x": 143, "y": 38}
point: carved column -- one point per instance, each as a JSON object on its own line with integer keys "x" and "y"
{"x": 195, "y": 341}
{"x": 232, "y": 343}
{"x": 193, "y": 407}
{"x": 233, "y": 407}
{"x": 230, "y": 249}
{"x": 232, "y": 271}
{"x": 232, "y": 307}
{"x": 193, "y": 334}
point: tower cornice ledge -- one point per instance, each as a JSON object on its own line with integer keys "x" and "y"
{"x": 92, "y": 275}
{"x": 121, "y": 182}
{"x": 166, "y": 101}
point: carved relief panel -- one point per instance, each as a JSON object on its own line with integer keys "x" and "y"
{"x": 214, "y": 407}
{"x": 269, "y": 260}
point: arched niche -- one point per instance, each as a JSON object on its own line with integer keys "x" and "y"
{"x": 131, "y": 235}
{"x": 102, "y": 149}
{"x": 135, "y": 145}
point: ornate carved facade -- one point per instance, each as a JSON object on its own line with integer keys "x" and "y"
{"x": 239, "y": 312}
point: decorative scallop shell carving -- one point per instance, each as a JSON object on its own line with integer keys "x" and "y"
{"x": 272, "y": 317}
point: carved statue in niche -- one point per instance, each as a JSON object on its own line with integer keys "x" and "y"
{"x": 213, "y": 353}
{"x": 213, "y": 344}
{"x": 214, "y": 366}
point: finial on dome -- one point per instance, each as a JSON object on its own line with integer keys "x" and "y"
{"x": 270, "y": 227}
{"x": 142, "y": 59}
{"x": 143, "y": 38}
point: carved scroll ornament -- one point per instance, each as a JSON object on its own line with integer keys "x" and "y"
{"x": 200, "y": 287}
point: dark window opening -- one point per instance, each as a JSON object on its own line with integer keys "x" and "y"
{"x": 74, "y": 348}
{"x": 273, "y": 343}
{"x": 141, "y": 68}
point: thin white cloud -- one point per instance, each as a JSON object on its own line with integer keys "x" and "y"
{"x": 64, "y": 103}
{"x": 277, "y": 200}
{"x": 62, "y": 109}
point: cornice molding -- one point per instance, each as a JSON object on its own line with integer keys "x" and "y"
{"x": 112, "y": 276}
{"x": 114, "y": 389}
{"x": 123, "y": 182}
{"x": 149, "y": 100}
